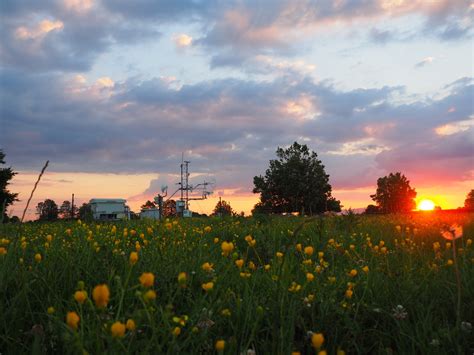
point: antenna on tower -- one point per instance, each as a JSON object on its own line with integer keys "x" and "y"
{"x": 187, "y": 190}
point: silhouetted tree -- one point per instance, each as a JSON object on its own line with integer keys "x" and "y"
{"x": 85, "y": 212}
{"x": 148, "y": 204}
{"x": 394, "y": 194}
{"x": 469, "y": 201}
{"x": 6, "y": 197}
{"x": 65, "y": 211}
{"x": 295, "y": 182}
{"x": 47, "y": 210}
{"x": 372, "y": 209}
{"x": 223, "y": 208}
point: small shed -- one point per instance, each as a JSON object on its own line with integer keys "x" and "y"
{"x": 109, "y": 209}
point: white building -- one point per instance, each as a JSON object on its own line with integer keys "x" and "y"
{"x": 150, "y": 213}
{"x": 109, "y": 208}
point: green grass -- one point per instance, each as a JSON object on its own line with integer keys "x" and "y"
{"x": 270, "y": 309}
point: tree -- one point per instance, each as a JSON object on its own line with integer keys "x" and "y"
{"x": 469, "y": 201}
{"x": 66, "y": 212}
{"x": 394, "y": 194}
{"x": 169, "y": 208}
{"x": 295, "y": 182}
{"x": 148, "y": 204}
{"x": 47, "y": 210}
{"x": 85, "y": 212}
{"x": 222, "y": 209}
{"x": 372, "y": 209}
{"x": 6, "y": 197}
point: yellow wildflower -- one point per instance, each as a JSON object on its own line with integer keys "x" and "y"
{"x": 149, "y": 295}
{"x": 133, "y": 257}
{"x": 227, "y": 248}
{"x": 308, "y": 251}
{"x": 309, "y": 277}
{"x": 147, "y": 279}
{"x": 101, "y": 295}
{"x": 182, "y": 278}
{"x": 365, "y": 269}
{"x": 130, "y": 325}
{"x": 220, "y": 346}
{"x": 80, "y": 296}
{"x": 38, "y": 257}
{"x": 239, "y": 263}
{"x": 72, "y": 320}
{"x": 3, "y": 251}
{"x": 353, "y": 273}
{"x": 51, "y": 310}
{"x": 176, "y": 331}
{"x": 208, "y": 267}
{"x": 226, "y": 312}
{"x": 207, "y": 229}
{"x": 349, "y": 293}
{"x": 317, "y": 340}
{"x": 279, "y": 254}
{"x": 207, "y": 286}
{"x": 117, "y": 330}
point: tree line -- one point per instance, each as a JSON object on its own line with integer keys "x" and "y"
{"x": 295, "y": 181}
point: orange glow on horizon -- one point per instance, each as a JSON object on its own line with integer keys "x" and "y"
{"x": 426, "y": 205}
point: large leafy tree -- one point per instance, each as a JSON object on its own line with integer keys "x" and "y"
{"x": 6, "y": 197}
{"x": 47, "y": 210}
{"x": 295, "y": 182}
{"x": 394, "y": 194}
{"x": 223, "y": 208}
{"x": 469, "y": 201}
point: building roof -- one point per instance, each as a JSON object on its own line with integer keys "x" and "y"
{"x": 107, "y": 200}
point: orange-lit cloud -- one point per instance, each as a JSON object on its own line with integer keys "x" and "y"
{"x": 182, "y": 40}
{"x": 79, "y": 6}
{"x": 43, "y": 28}
{"x": 453, "y": 128}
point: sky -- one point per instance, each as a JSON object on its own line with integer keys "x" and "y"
{"x": 113, "y": 92}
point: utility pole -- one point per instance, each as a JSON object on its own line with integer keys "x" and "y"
{"x": 72, "y": 207}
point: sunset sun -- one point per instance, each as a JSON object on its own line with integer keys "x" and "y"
{"x": 426, "y": 205}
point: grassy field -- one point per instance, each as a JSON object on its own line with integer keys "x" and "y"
{"x": 273, "y": 285}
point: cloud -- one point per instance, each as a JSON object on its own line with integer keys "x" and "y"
{"x": 425, "y": 61}
{"x": 182, "y": 40}
{"x": 74, "y": 33}
{"x": 62, "y": 36}
{"x": 143, "y": 126}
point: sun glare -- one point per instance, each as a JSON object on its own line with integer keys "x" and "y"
{"x": 426, "y": 205}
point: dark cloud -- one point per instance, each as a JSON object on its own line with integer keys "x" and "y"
{"x": 228, "y": 128}
{"x": 52, "y": 36}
